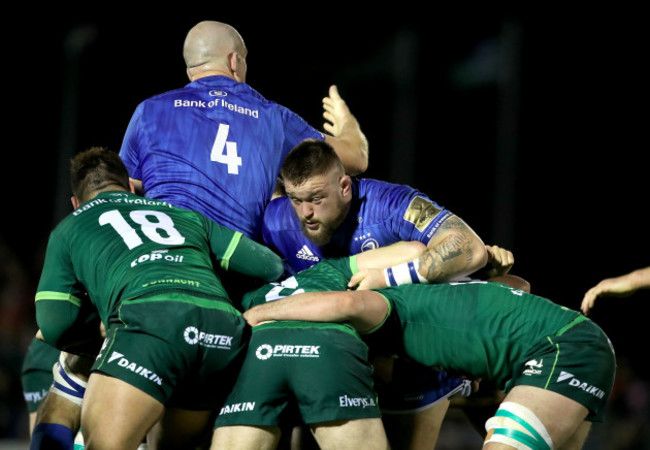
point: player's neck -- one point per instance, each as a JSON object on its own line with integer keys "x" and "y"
{"x": 211, "y": 73}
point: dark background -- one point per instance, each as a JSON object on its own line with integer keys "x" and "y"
{"x": 531, "y": 127}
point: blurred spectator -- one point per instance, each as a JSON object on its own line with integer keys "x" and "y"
{"x": 17, "y": 327}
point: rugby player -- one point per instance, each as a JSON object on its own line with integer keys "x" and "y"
{"x": 556, "y": 366}
{"x": 174, "y": 339}
{"x": 216, "y": 145}
{"x": 320, "y": 369}
{"x": 326, "y": 213}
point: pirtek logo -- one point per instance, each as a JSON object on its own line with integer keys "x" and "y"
{"x": 193, "y": 336}
{"x": 589, "y": 389}
{"x": 265, "y": 351}
{"x": 135, "y": 368}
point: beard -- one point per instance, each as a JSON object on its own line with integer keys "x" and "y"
{"x": 326, "y": 230}
{"x": 321, "y": 236}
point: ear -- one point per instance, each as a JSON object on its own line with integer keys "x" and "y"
{"x": 233, "y": 62}
{"x": 345, "y": 184}
{"x": 75, "y": 202}
{"x": 131, "y": 187}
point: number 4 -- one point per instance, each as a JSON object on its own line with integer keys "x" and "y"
{"x": 225, "y": 152}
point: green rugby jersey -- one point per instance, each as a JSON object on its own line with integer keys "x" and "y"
{"x": 121, "y": 246}
{"x": 477, "y": 328}
{"x": 330, "y": 274}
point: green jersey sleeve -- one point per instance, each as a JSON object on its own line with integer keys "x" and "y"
{"x": 234, "y": 251}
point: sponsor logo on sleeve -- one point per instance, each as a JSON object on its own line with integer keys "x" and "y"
{"x": 421, "y": 213}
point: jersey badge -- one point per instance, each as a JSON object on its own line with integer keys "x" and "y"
{"x": 369, "y": 244}
{"x": 421, "y": 213}
{"x": 533, "y": 367}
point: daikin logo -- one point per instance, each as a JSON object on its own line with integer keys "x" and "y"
{"x": 135, "y": 368}
{"x": 237, "y": 407}
{"x": 573, "y": 381}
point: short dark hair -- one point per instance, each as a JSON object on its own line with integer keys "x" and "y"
{"x": 309, "y": 158}
{"x": 95, "y": 169}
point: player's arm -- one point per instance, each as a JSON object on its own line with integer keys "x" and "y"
{"x": 62, "y": 322}
{"x": 372, "y": 264}
{"x": 137, "y": 186}
{"x": 241, "y": 254}
{"x": 129, "y": 150}
{"x": 621, "y": 286}
{"x": 453, "y": 252}
{"x": 346, "y": 136}
{"x": 390, "y": 255}
{"x": 67, "y": 318}
{"x": 364, "y": 310}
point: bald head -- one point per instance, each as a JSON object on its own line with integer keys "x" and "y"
{"x": 215, "y": 48}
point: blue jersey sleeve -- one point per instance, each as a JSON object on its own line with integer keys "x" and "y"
{"x": 415, "y": 217}
{"x": 389, "y": 212}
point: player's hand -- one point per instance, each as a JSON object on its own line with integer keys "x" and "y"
{"x": 249, "y": 316}
{"x": 610, "y": 287}
{"x": 500, "y": 260}
{"x": 367, "y": 279}
{"x": 336, "y": 112}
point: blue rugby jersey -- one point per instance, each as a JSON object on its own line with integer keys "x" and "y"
{"x": 215, "y": 146}
{"x": 381, "y": 214}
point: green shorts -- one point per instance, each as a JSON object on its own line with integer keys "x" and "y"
{"x": 578, "y": 362}
{"x": 322, "y": 367}
{"x": 184, "y": 351}
{"x": 36, "y": 376}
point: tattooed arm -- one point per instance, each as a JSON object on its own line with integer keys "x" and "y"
{"x": 454, "y": 251}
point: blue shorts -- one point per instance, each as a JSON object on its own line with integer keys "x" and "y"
{"x": 415, "y": 387}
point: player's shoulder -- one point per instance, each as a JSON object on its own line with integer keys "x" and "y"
{"x": 161, "y": 96}
{"x": 371, "y": 186}
{"x": 255, "y": 93}
{"x": 382, "y": 194}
